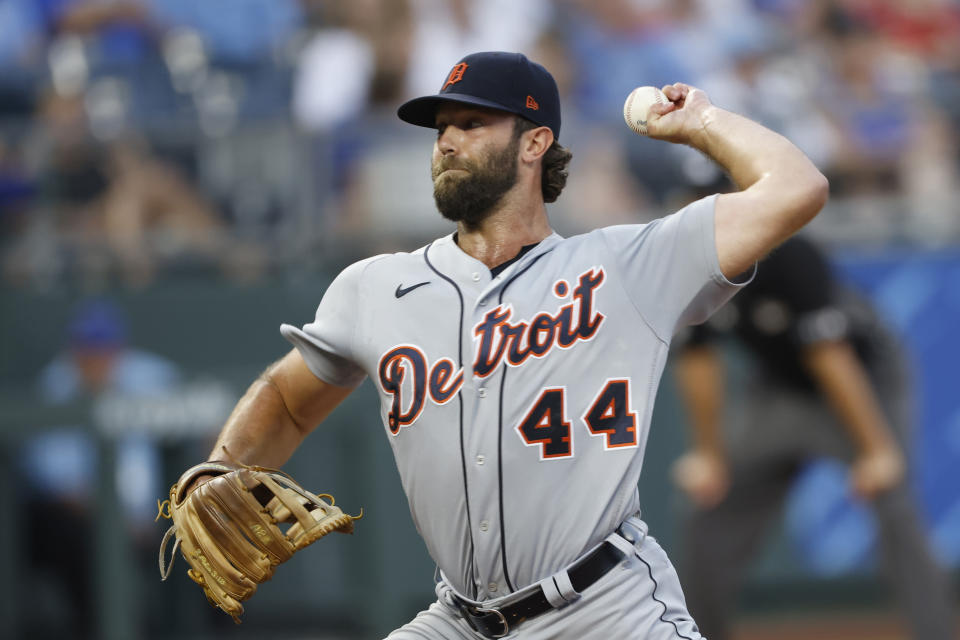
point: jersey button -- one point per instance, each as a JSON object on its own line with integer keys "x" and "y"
{"x": 476, "y": 277}
{"x": 482, "y": 392}
{"x": 482, "y": 302}
{"x": 492, "y": 587}
{"x": 480, "y": 459}
{"x": 484, "y": 525}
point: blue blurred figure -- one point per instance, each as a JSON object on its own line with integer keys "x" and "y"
{"x": 59, "y": 467}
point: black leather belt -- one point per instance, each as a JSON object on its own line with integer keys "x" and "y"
{"x": 496, "y": 623}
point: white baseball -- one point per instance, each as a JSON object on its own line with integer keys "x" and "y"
{"x": 636, "y": 109}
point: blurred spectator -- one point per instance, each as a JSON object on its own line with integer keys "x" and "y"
{"x": 826, "y": 379}
{"x": 870, "y": 90}
{"x": 928, "y": 32}
{"x": 876, "y": 120}
{"x": 16, "y": 188}
{"x": 116, "y": 208}
{"x": 358, "y": 57}
{"x": 121, "y": 27}
{"x": 233, "y": 31}
{"x": 449, "y": 29}
{"x": 602, "y": 181}
{"x": 365, "y": 59}
{"x": 776, "y": 84}
{"x": 617, "y": 45}
{"x": 59, "y": 467}
{"x": 21, "y": 34}
{"x": 118, "y": 29}
{"x": 893, "y": 137}
{"x": 378, "y": 52}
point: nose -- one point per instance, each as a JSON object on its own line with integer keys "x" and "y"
{"x": 447, "y": 140}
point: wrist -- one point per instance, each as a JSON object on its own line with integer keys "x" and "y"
{"x": 700, "y": 137}
{"x": 715, "y": 452}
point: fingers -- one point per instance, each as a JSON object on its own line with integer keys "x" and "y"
{"x": 196, "y": 483}
{"x": 675, "y": 92}
{"x": 663, "y": 109}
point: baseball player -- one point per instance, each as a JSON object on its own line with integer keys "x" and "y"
{"x": 516, "y": 369}
{"x": 829, "y": 381}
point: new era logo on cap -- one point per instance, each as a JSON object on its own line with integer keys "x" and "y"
{"x": 498, "y": 80}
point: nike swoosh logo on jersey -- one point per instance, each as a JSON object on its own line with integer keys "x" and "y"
{"x": 400, "y": 292}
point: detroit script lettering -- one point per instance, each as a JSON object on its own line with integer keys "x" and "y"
{"x": 497, "y": 339}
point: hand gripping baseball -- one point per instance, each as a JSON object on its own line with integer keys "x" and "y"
{"x": 682, "y": 117}
{"x": 228, "y": 527}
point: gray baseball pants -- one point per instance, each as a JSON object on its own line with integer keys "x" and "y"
{"x": 640, "y": 598}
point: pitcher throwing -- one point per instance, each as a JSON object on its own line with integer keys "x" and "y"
{"x": 516, "y": 369}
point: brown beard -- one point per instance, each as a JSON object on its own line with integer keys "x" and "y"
{"x": 471, "y": 198}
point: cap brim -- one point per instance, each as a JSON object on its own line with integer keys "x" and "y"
{"x": 423, "y": 111}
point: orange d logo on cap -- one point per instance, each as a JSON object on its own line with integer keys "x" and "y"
{"x": 456, "y": 75}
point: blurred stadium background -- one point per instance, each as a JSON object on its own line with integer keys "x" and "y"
{"x": 178, "y": 177}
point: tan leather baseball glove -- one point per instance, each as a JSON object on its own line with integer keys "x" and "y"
{"x": 229, "y": 528}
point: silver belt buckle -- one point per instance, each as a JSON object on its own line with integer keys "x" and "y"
{"x": 502, "y": 620}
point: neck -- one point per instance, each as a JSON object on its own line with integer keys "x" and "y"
{"x": 501, "y": 235}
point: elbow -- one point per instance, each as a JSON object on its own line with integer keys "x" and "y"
{"x": 816, "y": 192}
{"x": 820, "y": 191}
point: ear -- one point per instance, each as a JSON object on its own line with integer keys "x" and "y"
{"x": 534, "y": 143}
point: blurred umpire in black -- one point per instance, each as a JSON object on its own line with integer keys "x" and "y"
{"x": 827, "y": 379}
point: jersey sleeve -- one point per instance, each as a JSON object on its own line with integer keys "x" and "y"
{"x": 327, "y": 343}
{"x": 670, "y": 267}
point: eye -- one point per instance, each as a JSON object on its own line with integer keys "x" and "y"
{"x": 475, "y": 122}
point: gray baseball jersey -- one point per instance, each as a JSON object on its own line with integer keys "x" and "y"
{"x": 518, "y": 405}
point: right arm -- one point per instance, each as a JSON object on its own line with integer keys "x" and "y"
{"x": 780, "y": 189}
{"x": 282, "y": 406}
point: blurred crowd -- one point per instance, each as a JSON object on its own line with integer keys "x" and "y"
{"x": 162, "y": 138}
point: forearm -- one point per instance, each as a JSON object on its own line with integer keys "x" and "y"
{"x": 699, "y": 376}
{"x": 750, "y": 152}
{"x": 848, "y": 390}
{"x": 260, "y": 430}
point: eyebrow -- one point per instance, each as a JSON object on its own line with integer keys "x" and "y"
{"x": 468, "y": 112}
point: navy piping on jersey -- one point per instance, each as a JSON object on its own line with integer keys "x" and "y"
{"x": 463, "y": 457}
{"x": 503, "y": 380}
{"x": 662, "y": 603}
{"x": 500, "y": 268}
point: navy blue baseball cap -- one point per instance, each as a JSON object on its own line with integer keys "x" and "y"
{"x": 97, "y": 324}
{"x": 496, "y": 79}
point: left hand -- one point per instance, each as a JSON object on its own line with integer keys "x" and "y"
{"x": 876, "y": 471}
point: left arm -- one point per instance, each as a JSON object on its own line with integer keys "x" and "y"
{"x": 780, "y": 189}
{"x": 878, "y": 464}
{"x": 703, "y": 471}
